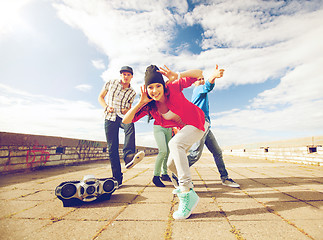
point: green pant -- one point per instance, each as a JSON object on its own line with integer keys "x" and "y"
{"x": 162, "y": 137}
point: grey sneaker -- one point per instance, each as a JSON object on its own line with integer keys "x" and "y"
{"x": 136, "y": 159}
{"x": 230, "y": 183}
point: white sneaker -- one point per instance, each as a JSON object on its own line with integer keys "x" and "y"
{"x": 136, "y": 159}
{"x": 230, "y": 183}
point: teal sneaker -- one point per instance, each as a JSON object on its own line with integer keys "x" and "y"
{"x": 176, "y": 191}
{"x": 187, "y": 203}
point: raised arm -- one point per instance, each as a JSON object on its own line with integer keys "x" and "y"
{"x": 142, "y": 102}
{"x": 217, "y": 73}
{"x": 194, "y": 73}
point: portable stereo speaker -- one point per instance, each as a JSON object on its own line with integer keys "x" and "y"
{"x": 87, "y": 190}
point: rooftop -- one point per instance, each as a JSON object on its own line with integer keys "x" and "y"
{"x": 276, "y": 200}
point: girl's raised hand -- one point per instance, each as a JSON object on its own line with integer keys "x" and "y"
{"x": 144, "y": 95}
{"x": 168, "y": 73}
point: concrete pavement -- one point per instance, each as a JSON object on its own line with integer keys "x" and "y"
{"x": 276, "y": 201}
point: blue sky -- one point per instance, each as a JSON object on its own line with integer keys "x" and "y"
{"x": 57, "y": 54}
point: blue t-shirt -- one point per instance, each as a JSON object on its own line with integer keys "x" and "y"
{"x": 200, "y": 98}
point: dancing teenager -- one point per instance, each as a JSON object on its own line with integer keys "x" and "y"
{"x": 116, "y": 98}
{"x": 200, "y": 99}
{"x": 169, "y": 107}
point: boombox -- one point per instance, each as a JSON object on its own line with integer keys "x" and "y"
{"x": 89, "y": 189}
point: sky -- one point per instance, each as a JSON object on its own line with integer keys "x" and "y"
{"x": 56, "y": 56}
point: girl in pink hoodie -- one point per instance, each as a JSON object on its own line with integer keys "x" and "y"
{"x": 169, "y": 107}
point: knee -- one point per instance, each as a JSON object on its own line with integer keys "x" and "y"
{"x": 217, "y": 153}
{"x": 170, "y": 163}
{"x": 171, "y": 167}
{"x": 129, "y": 128}
{"x": 111, "y": 146}
{"x": 174, "y": 145}
{"x": 162, "y": 154}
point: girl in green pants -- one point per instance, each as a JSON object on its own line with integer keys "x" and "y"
{"x": 162, "y": 137}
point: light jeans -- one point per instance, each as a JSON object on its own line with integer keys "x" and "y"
{"x": 162, "y": 136}
{"x": 210, "y": 142}
{"x": 177, "y": 160}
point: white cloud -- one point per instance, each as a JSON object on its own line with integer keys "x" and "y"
{"x": 290, "y": 109}
{"x": 302, "y": 84}
{"x": 84, "y": 87}
{"x": 253, "y": 23}
{"x": 286, "y": 47}
{"x": 254, "y": 125}
{"x": 262, "y": 40}
{"x": 258, "y": 48}
{"x": 133, "y": 33}
{"x": 10, "y": 15}
{"x": 38, "y": 114}
{"x": 98, "y": 64}
{"x": 125, "y": 30}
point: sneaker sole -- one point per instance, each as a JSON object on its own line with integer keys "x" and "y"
{"x": 233, "y": 186}
{"x": 136, "y": 159}
{"x": 189, "y": 214}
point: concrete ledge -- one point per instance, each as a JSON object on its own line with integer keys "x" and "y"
{"x": 20, "y": 152}
{"x": 302, "y": 150}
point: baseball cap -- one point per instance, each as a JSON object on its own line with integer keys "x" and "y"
{"x": 126, "y": 69}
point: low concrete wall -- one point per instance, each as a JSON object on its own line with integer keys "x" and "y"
{"x": 20, "y": 152}
{"x": 301, "y": 150}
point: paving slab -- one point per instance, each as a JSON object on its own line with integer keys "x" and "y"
{"x": 275, "y": 201}
{"x": 137, "y": 230}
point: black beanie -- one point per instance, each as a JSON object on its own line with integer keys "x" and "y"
{"x": 152, "y": 76}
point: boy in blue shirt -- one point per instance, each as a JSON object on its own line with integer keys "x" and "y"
{"x": 200, "y": 99}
